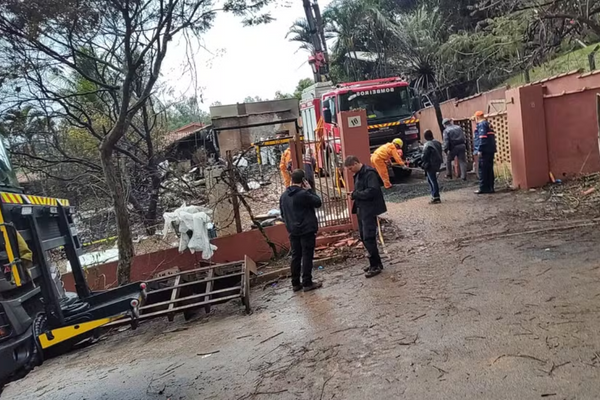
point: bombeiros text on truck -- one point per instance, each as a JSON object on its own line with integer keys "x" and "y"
{"x": 390, "y": 106}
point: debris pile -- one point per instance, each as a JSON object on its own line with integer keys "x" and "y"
{"x": 189, "y": 188}
{"x": 337, "y": 245}
{"x": 577, "y": 196}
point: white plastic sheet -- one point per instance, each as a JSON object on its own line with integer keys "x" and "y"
{"x": 195, "y": 219}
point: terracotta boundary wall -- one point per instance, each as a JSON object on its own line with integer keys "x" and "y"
{"x": 553, "y": 125}
{"x": 572, "y": 133}
{"x": 230, "y": 248}
{"x": 459, "y": 109}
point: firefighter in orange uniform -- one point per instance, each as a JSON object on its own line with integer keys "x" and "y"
{"x": 286, "y": 160}
{"x": 382, "y": 156}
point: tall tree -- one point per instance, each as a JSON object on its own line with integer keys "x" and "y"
{"x": 118, "y": 47}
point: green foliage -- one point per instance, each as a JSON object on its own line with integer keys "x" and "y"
{"x": 570, "y": 61}
{"x": 302, "y": 84}
{"x": 186, "y": 112}
{"x": 453, "y": 47}
{"x": 253, "y": 99}
{"x": 279, "y": 95}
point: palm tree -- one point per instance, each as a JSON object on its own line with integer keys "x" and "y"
{"x": 419, "y": 38}
{"x": 362, "y": 26}
{"x": 300, "y": 32}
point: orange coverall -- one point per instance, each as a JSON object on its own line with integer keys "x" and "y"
{"x": 286, "y": 158}
{"x": 380, "y": 159}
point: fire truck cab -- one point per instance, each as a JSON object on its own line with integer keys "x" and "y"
{"x": 390, "y": 107}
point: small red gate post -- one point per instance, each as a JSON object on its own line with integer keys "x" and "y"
{"x": 296, "y": 146}
{"x": 354, "y": 134}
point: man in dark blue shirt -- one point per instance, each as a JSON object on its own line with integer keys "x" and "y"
{"x": 485, "y": 148}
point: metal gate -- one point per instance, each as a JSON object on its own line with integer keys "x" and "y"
{"x": 327, "y": 180}
{"x": 328, "y": 183}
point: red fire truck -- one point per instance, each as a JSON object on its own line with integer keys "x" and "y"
{"x": 390, "y": 107}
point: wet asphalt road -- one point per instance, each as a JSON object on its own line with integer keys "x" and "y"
{"x": 455, "y": 315}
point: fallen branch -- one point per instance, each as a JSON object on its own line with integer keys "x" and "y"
{"x": 353, "y": 327}
{"x": 555, "y": 367}
{"x": 542, "y": 273}
{"x": 277, "y": 392}
{"x": 503, "y": 234}
{"x": 520, "y": 356}
{"x": 242, "y": 337}
{"x": 208, "y": 354}
{"x": 418, "y": 317}
{"x": 271, "y": 337}
{"x": 475, "y": 337}
{"x": 443, "y": 372}
{"x": 324, "y": 384}
{"x": 170, "y": 369}
{"x": 414, "y": 341}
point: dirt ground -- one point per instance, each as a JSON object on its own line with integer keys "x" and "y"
{"x": 482, "y": 298}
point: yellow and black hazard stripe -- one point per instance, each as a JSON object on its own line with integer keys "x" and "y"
{"x": 13, "y": 198}
{"x": 388, "y": 124}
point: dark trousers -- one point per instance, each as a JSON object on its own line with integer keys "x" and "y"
{"x": 367, "y": 227}
{"x": 486, "y": 172}
{"x": 303, "y": 253}
{"x": 459, "y": 151}
{"x": 433, "y": 184}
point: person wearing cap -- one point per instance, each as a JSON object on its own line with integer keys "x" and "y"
{"x": 455, "y": 145}
{"x": 485, "y": 148}
{"x": 383, "y": 156}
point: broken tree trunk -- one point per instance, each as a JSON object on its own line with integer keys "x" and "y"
{"x": 114, "y": 182}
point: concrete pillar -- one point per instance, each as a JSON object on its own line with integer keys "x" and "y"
{"x": 528, "y": 141}
{"x": 354, "y": 133}
{"x": 219, "y": 200}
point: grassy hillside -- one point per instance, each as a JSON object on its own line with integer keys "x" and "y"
{"x": 565, "y": 63}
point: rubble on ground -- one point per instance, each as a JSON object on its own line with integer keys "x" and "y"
{"x": 566, "y": 198}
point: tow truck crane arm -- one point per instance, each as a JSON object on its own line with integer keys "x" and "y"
{"x": 319, "y": 60}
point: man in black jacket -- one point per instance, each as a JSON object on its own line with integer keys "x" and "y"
{"x": 368, "y": 204}
{"x": 432, "y": 161}
{"x": 297, "y": 205}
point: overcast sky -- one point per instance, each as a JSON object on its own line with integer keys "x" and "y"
{"x": 243, "y": 61}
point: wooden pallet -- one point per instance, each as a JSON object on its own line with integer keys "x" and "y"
{"x": 183, "y": 291}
